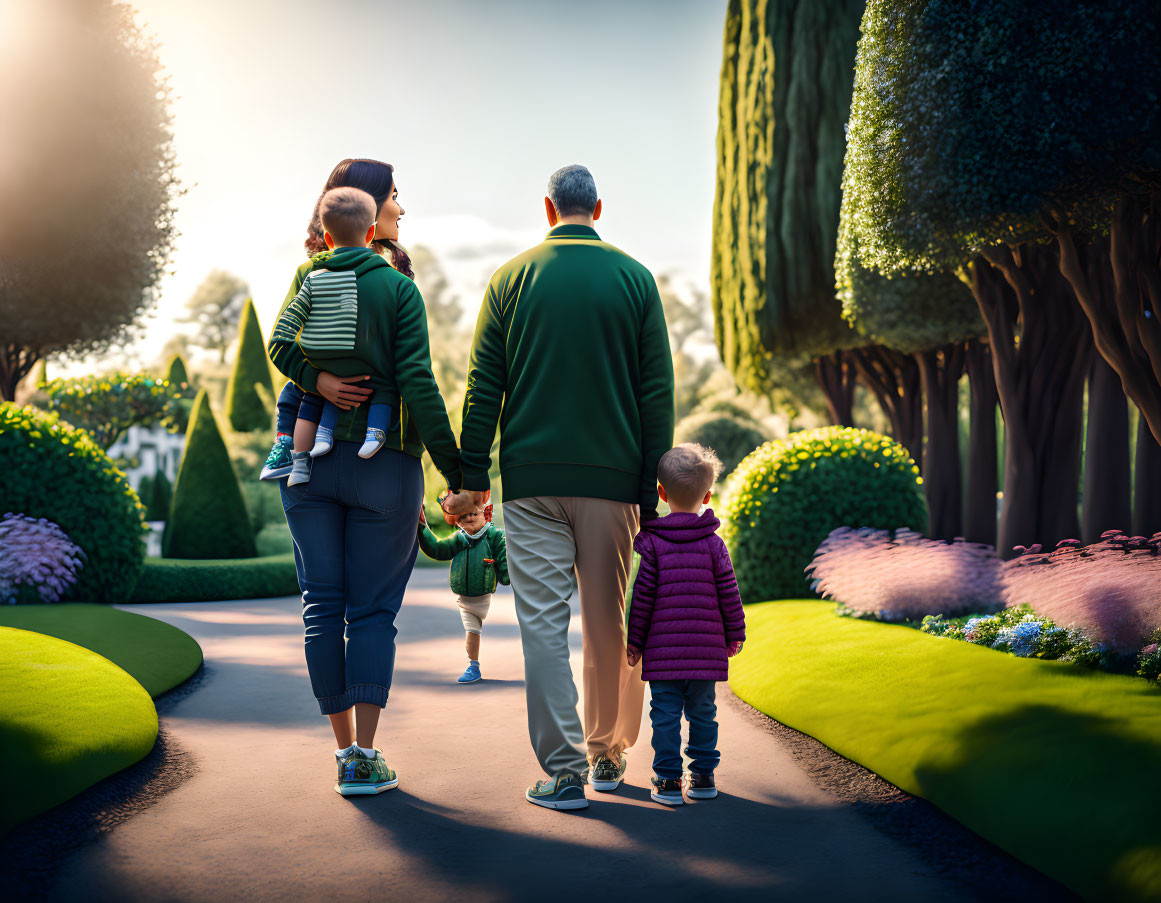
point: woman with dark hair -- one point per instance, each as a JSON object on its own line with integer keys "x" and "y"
{"x": 353, "y": 523}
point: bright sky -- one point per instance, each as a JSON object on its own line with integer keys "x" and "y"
{"x": 475, "y": 103}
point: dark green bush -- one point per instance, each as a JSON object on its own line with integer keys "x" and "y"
{"x": 157, "y": 497}
{"x": 731, "y": 437}
{"x": 244, "y": 406}
{"x": 208, "y": 517}
{"x": 180, "y": 580}
{"x": 52, "y": 470}
{"x": 785, "y": 498}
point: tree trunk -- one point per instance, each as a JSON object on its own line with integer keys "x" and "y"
{"x": 979, "y": 523}
{"x": 16, "y": 362}
{"x": 1105, "y": 500}
{"x": 836, "y": 376}
{"x": 1118, "y": 284}
{"x": 1147, "y": 487}
{"x": 894, "y": 380}
{"x": 941, "y": 369}
{"x": 1037, "y": 333}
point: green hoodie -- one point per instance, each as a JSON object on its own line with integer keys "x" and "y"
{"x": 471, "y": 574}
{"x": 391, "y": 344}
{"x": 571, "y": 355}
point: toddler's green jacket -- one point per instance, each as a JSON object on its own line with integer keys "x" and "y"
{"x": 471, "y": 574}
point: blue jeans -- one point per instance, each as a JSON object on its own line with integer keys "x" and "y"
{"x": 355, "y": 544}
{"x": 669, "y": 699}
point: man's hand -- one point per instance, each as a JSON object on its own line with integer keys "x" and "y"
{"x": 634, "y": 655}
{"x": 733, "y": 648}
{"x": 458, "y": 504}
{"x": 342, "y": 391}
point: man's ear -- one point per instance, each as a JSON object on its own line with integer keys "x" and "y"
{"x": 661, "y": 492}
{"x": 370, "y": 235}
{"x": 597, "y": 211}
{"x": 550, "y": 209}
{"x": 329, "y": 239}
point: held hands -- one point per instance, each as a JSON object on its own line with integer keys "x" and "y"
{"x": 634, "y": 655}
{"x": 463, "y": 502}
{"x": 733, "y": 648}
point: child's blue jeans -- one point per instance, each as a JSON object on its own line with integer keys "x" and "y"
{"x": 669, "y": 699}
{"x": 317, "y": 410}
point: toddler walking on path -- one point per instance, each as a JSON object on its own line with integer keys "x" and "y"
{"x": 686, "y": 620}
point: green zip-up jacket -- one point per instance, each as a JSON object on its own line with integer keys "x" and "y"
{"x": 571, "y": 357}
{"x": 471, "y": 574}
{"x": 390, "y": 343}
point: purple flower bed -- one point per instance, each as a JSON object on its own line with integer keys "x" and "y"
{"x": 38, "y": 562}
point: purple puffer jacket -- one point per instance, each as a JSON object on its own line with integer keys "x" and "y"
{"x": 686, "y": 606}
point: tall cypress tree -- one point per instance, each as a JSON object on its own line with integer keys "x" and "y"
{"x": 244, "y": 406}
{"x": 207, "y": 518}
{"x": 784, "y": 98}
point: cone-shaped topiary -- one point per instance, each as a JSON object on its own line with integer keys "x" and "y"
{"x": 178, "y": 374}
{"x": 786, "y": 496}
{"x": 207, "y": 518}
{"x": 731, "y": 437}
{"x": 159, "y": 497}
{"x": 55, "y": 471}
{"x": 244, "y": 406}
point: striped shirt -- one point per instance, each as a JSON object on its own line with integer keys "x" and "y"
{"x": 322, "y": 316}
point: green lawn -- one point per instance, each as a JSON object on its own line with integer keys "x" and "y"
{"x": 68, "y": 718}
{"x": 156, "y": 654}
{"x": 1056, "y": 764}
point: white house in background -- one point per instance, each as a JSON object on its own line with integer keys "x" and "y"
{"x": 153, "y": 447}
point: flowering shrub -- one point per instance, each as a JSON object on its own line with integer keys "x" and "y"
{"x": 38, "y": 562}
{"x": 51, "y": 470}
{"x": 106, "y": 406}
{"x": 1023, "y": 633}
{"x": 1149, "y": 660}
{"x": 906, "y": 576}
{"x": 1111, "y": 590}
{"x": 786, "y": 497}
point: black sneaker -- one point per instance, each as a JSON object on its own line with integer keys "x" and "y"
{"x": 700, "y": 786}
{"x": 667, "y": 791}
{"x": 605, "y": 774}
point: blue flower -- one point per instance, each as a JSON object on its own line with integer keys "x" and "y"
{"x": 1020, "y": 639}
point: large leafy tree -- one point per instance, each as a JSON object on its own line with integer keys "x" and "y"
{"x": 215, "y": 309}
{"x": 976, "y": 131}
{"x": 87, "y": 180}
{"x": 784, "y": 97}
{"x": 932, "y": 318}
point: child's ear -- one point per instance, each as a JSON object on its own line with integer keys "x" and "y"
{"x": 661, "y": 492}
{"x": 330, "y": 240}
{"x": 370, "y": 236}
{"x": 709, "y": 494}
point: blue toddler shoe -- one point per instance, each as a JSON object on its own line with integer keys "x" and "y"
{"x": 471, "y": 675}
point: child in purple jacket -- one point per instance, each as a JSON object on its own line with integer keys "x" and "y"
{"x": 686, "y": 620}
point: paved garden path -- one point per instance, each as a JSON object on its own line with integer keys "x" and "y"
{"x": 259, "y": 820}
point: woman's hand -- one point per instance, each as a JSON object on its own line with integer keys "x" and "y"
{"x": 463, "y": 502}
{"x": 341, "y": 391}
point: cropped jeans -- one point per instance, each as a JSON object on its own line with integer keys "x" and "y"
{"x": 355, "y": 544}
{"x": 668, "y": 698}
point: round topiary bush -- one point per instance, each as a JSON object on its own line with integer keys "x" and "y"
{"x": 731, "y": 437}
{"x": 55, "y": 471}
{"x": 787, "y": 496}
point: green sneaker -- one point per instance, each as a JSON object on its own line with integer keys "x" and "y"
{"x": 606, "y": 775}
{"x": 562, "y": 792}
{"x": 362, "y": 776}
{"x": 278, "y": 462}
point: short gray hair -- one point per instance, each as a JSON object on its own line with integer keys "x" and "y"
{"x": 572, "y": 190}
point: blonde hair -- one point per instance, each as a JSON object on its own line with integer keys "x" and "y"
{"x": 347, "y": 214}
{"x": 688, "y": 472}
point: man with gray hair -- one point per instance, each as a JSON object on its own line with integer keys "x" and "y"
{"x": 571, "y": 357}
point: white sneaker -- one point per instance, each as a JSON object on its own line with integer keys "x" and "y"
{"x": 324, "y": 441}
{"x": 372, "y": 442}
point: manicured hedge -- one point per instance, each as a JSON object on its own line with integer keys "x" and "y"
{"x": 1051, "y": 762}
{"x": 244, "y": 406}
{"x": 52, "y": 470}
{"x": 209, "y": 580}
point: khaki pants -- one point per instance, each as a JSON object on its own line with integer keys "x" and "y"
{"x": 473, "y": 610}
{"x": 555, "y": 547}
